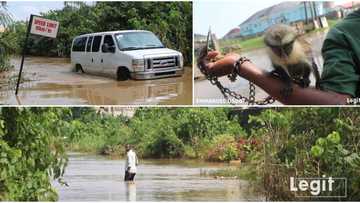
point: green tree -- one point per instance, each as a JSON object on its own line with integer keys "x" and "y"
{"x": 32, "y": 153}
{"x": 170, "y": 21}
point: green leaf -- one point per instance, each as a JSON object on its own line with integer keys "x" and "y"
{"x": 317, "y": 151}
{"x": 334, "y": 137}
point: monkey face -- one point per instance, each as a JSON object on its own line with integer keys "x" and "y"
{"x": 282, "y": 51}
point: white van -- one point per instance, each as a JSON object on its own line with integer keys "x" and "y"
{"x": 136, "y": 54}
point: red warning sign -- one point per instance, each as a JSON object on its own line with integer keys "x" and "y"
{"x": 44, "y": 27}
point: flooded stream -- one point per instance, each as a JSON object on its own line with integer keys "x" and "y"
{"x": 97, "y": 178}
{"x": 207, "y": 94}
{"x": 51, "y": 81}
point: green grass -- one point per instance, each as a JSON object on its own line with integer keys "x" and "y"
{"x": 244, "y": 172}
{"x": 246, "y": 45}
{"x": 89, "y": 144}
{"x": 332, "y": 23}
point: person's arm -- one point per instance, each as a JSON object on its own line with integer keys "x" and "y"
{"x": 272, "y": 85}
{"x": 136, "y": 160}
{"x": 127, "y": 163}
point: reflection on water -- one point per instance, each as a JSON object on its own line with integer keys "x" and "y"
{"x": 53, "y": 82}
{"x": 130, "y": 191}
{"x": 96, "y": 178}
{"x": 205, "y": 92}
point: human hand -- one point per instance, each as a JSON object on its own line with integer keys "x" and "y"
{"x": 218, "y": 65}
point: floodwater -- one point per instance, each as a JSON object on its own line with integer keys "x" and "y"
{"x": 97, "y": 178}
{"x": 207, "y": 94}
{"x": 51, "y": 81}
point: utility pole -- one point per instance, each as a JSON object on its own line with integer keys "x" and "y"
{"x": 306, "y": 14}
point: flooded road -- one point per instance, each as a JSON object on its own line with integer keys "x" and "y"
{"x": 51, "y": 81}
{"x": 97, "y": 178}
{"x": 207, "y": 94}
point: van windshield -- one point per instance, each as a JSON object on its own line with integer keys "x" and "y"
{"x": 137, "y": 40}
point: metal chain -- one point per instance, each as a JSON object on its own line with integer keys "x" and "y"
{"x": 227, "y": 93}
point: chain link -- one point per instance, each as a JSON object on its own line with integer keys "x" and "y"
{"x": 227, "y": 93}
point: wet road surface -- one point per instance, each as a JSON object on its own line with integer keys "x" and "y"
{"x": 52, "y": 82}
{"x": 96, "y": 178}
{"x": 207, "y": 94}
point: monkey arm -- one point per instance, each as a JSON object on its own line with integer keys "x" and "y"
{"x": 273, "y": 85}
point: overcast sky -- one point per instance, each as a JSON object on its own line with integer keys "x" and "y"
{"x": 223, "y": 15}
{"x": 21, "y": 10}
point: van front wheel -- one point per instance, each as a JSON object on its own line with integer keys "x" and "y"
{"x": 123, "y": 74}
{"x": 78, "y": 68}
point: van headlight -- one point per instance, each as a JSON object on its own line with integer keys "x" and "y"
{"x": 181, "y": 59}
{"x": 138, "y": 65}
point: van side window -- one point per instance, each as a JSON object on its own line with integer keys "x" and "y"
{"x": 96, "y": 44}
{"x": 79, "y": 44}
{"x": 88, "y": 45}
{"x": 109, "y": 40}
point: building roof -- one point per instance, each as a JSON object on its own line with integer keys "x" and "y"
{"x": 232, "y": 32}
{"x": 350, "y": 4}
{"x": 287, "y": 5}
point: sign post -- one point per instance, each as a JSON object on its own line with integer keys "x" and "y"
{"x": 37, "y": 26}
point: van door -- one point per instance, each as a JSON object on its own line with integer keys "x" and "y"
{"x": 78, "y": 51}
{"x": 87, "y": 57}
{"x": 94, "y": 59}
{"x": 109, "y": 58}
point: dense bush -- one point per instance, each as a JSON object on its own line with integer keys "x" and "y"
{"x": 155, "y": 132}
{"x": 309, "y": 142}
{"x": 170, "y": 21}
{"x": 223, "y": 148}
{"x": 32, "y": 153}
{"x": 166, "y": 145}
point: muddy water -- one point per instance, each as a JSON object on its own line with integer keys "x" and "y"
{"x": 207, "y": 94}
{"x": 95, "y": 178}
{"x": 52, "y": 81}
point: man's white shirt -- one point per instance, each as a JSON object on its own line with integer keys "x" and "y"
{"x": 131, "y": 161}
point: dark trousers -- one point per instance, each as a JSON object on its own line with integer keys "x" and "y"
{"x": 129, "y": 176}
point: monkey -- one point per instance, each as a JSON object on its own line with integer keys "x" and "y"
{"x": 291, "y": 58}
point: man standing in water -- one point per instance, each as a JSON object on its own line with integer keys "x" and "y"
{"x": 130, "y": 164}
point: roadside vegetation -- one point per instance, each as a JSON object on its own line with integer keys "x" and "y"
{"x": 32, "y": 153}
{"x": 158, "y": 133}
{"x": 170, "y": 21}
{"x": 245, "y": 45}
{"x": 268, "y": 145}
